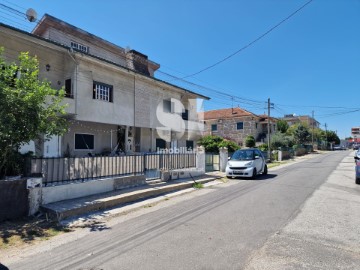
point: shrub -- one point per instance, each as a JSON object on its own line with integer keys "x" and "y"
{"x": 250, "y": 141}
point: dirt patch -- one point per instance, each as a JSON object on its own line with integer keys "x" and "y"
{"x": 27, "y": 231}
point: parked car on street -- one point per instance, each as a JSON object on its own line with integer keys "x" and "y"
{"x": 246, "y": 163}
{"x": 357, "y": 167}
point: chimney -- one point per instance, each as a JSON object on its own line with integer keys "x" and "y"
{"x": 137, "y": 61}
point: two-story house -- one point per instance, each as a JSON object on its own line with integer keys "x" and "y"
{"x": 236, "y": 124}
{"x": 293, "y": 119}
{"x": 114, "y": 100}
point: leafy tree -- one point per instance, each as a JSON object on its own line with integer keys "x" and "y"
{"x": 29, "y": 109}
{"x": 331, "y": 136}
{"x": 212, "y": 143}
{"x": 300, "y": 132}
{"x": 250, "y": 141}
{"x": 282, "y": 126}
{"x": 280, "y": 139}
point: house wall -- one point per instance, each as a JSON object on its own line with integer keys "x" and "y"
{"x": 14, "y": 44}
{"x": 227, "y": 128}
{"x": 61, "y": 64}
{"x": 102, "y": 138}
{"x": 116, "y": 55}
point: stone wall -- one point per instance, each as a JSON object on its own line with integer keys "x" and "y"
{"x": 227, "y": 128}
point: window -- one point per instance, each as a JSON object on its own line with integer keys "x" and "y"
{"x": 79, "y": 47}
{"x": 103, "y": 91}
{"x": 189, "y": 145}
{"x": 240, "y": 125}
{"x": 84, "y": 141}
{"x": 214, "y": 127}
{"x": 256, "y": 125}
{"x": 168, "y": 106}
{"x": 185, "y": 115}
{"x": 68, "y": 88}
{"x": 160, "y": 144}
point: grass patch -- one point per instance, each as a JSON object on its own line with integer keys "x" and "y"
{"x": 27, "y": 231}
{"x": 275, "y": 163}
{"x": 198, "y": 185}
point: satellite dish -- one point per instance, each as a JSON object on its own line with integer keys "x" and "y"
{"x": 31, "y": 15}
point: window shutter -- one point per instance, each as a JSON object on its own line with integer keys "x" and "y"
{"x": 111, "y": 94}
{"x": 94, "y": 90}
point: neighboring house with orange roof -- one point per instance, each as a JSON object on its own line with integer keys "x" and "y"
{"x": 236, "y": 124}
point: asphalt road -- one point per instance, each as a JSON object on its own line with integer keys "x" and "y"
{"x": 223, "y": 229}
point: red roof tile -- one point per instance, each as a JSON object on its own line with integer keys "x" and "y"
{"x": 226, "y": 113}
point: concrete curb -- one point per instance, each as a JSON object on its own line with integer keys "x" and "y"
{"x": 76, "y": 207}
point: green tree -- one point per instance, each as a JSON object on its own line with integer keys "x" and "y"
{"x": 282, "y": 126}
{"x": 332, "y": 137}
{"x": 300, "y": 132}
{"x": 212, "y": 144}
{"x": 29, "y": 109}
{"x": 250, "y": 141}
{"x": 281, "y": 140}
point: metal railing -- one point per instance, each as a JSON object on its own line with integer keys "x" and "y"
{"x": 62, "y": 170}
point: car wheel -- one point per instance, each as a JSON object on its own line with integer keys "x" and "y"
{"x": 254, "y": 174}
{"x": 357, "y": 181}
{"x": 265, "y": 171}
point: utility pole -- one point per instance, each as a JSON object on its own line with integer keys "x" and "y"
{"x": 268, "y": 137}
{"x": 312, "y": 136}
{"x": 326, "y": 136}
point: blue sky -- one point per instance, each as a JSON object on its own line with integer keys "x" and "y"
{"x": 309, "y": 63}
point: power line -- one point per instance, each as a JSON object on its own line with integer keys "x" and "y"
{"x": 251, "y": 43}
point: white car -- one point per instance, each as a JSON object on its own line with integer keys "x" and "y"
{"x": 246, "y": 163}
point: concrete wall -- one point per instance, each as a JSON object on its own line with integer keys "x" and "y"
{"x": 13, "y": 199}
{"x": 112, "y": 54}
{"x": 78, "y": 190}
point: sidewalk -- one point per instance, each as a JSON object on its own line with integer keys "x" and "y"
{"x": 80, "y": 206}
{"x": 325, "y": 234}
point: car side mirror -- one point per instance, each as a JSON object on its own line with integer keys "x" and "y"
{"x": 356, "y": 158}
{"x": 229, "y": 158}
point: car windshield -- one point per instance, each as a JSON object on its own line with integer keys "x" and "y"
{"x": 243, "y": 155}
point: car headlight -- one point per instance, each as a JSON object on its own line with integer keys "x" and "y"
{"x": 249, "y": 163}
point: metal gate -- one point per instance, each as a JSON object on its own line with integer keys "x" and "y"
{"x": 212, "y": 162}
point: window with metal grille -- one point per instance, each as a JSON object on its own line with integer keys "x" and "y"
{"x": 102, "y": 91}
{"x": 79, "y": 47}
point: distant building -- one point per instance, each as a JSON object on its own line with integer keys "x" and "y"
{"x": 236, "y": 124}
{"x": 355, "y": 134}
{"x": 293, "y": 119}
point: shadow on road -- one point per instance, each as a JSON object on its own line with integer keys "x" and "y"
{"x": 259, "y": 177}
